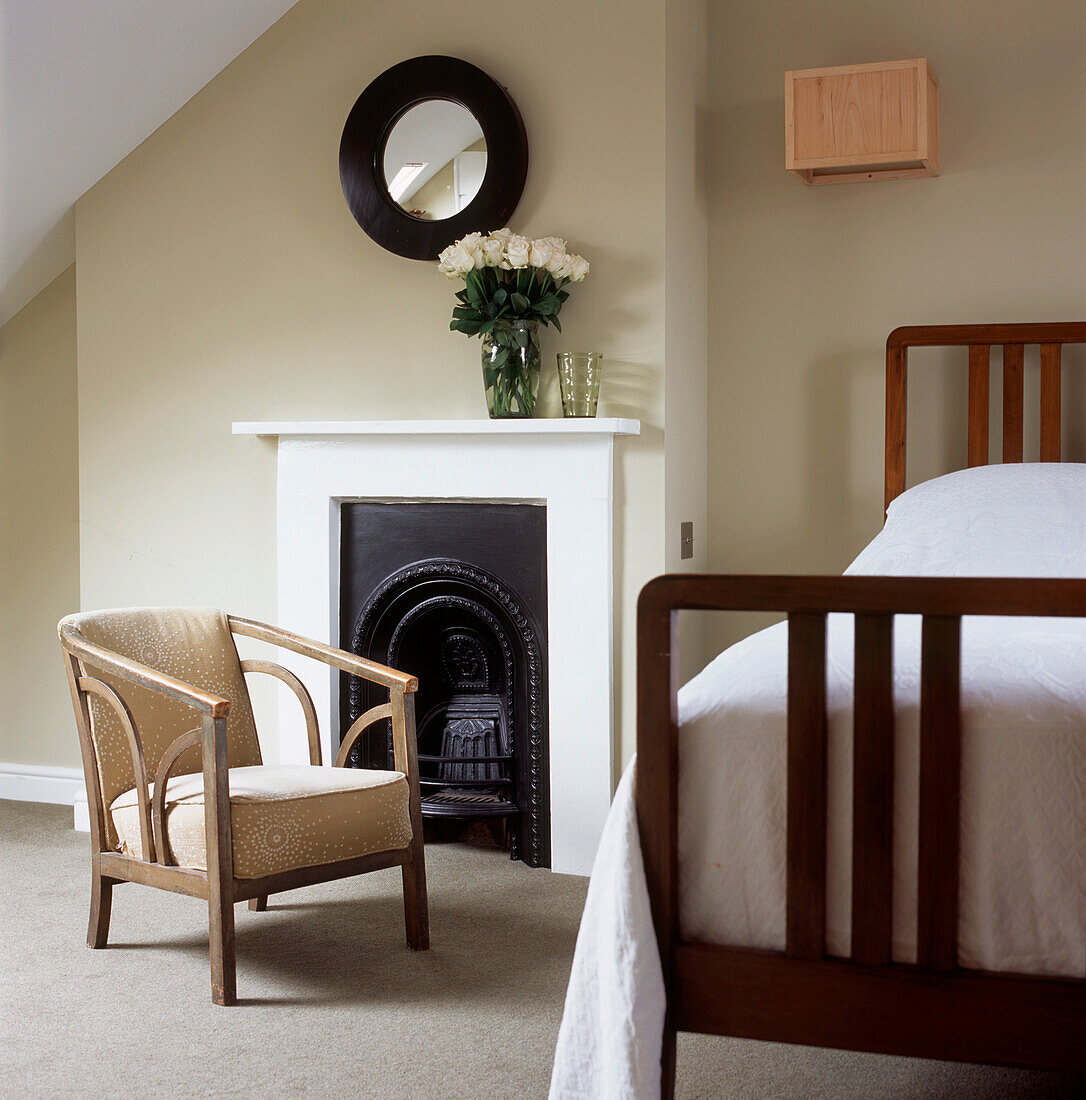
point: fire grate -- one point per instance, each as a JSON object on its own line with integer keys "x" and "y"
{"x": 467, "y": 798}
{"x": 474, "y": 768}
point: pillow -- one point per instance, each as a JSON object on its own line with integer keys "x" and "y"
{"x": 1021, "y": 519}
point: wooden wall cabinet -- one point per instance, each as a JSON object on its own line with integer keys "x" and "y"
{"x": 862, "y": 122}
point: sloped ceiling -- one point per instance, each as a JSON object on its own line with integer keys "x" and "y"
{"x": 82, "y": 83}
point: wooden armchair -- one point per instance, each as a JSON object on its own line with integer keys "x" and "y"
{"x": 179, "y": 796}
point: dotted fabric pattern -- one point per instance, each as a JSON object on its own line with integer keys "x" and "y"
{"x": 192, "y": 644}
{"x": 282, "y": 817}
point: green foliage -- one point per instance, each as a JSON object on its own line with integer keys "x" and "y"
{"x": 491, "y": 295}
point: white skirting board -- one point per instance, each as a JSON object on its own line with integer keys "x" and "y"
{"x": 39, "y": 783}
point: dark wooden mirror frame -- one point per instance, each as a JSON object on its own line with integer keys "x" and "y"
{"x": 362, "y": 147}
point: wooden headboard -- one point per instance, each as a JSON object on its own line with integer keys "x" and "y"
{"x": 979, "y": 339}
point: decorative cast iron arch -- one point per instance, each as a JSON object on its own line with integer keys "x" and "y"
{"x": 517, "y": 628}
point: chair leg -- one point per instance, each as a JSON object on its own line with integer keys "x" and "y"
{"x": 258, "y": 905}
{"x": 415, "y": 909}
{"x": 220, "y": 862}
{"x": 224, "y": 987}
{"x": 100, "y": 907}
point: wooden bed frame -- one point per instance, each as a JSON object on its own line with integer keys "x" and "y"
{"x": 934, "y": 1009}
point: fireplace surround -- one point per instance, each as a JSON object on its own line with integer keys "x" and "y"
{"x": 564, "y": 465}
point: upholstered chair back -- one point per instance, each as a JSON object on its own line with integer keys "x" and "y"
{"x": 193, "y": 644}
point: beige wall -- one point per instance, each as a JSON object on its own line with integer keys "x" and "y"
{"x": 807, "y": 282}
{"x": 39, "y": 525}
{"x": 221, "y": 277}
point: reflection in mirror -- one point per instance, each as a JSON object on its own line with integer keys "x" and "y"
{"x": 435, "y": 160}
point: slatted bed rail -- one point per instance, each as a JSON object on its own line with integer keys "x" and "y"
{"x": 980, "y": 339}
{"x": 933, "y": 1008}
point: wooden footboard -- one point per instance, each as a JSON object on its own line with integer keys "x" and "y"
{"x": 934, "y": 1009}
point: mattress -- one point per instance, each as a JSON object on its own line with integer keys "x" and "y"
{"x": 1023, "y": 799}
{"x": 1023, "y": 806}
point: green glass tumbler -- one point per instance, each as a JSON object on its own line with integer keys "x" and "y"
{"x": 579, "y": 375}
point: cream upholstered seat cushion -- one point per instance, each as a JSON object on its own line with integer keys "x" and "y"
{"x": 282, "y": 817}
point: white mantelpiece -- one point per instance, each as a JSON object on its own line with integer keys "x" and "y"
{"x": 566, "y": 465}
{"x": 590, "y": 426}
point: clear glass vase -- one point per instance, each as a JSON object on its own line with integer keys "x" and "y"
{"x": 511, "y": 368}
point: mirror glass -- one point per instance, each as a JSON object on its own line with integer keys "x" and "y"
{"x": 434, "y": 160}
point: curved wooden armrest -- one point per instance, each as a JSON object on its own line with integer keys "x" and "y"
{"x": 358, "y": 727}
{"x": 183, "y": 743}
{"x": 91, "y": 686}
{"x": 329, "y": 655}
{"x": 140, "y": 674}
{"x": 311, "y": 727}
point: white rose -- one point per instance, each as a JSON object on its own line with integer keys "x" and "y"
{"x": 445, "y": 266}
{"x": 558, "y": 260}
{"x": 556, "y": 243}
{"x": 458, "y": 258}
{"x": 578, "y": 268}
{"x": 500, "y": 234}
{"x": 473, "y": 245}
{"x": 566, "y": 270}
{"x": 492, "y": 252}
{"x": 516, "y": 251}
{"x": 540, "y": 252}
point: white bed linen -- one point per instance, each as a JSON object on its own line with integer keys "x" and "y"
{"x": 1023, "y": 806}
{"x": 1023, "y": 796}
{"x": 612, "y": 1028}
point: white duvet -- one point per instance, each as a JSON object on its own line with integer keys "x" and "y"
{"x": 1023, "y": 873}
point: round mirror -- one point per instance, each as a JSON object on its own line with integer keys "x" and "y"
{"x": 432, "y": 150}
{"x": 435, "y": 160}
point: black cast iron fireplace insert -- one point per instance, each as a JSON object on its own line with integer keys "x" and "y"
{"x": 455, "y": 593}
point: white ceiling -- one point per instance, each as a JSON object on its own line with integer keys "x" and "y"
{"x": 82, "y": 83}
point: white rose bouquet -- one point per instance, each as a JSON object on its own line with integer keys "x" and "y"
{"x": 511, "y": 283}
{"x": 508, "y": 276}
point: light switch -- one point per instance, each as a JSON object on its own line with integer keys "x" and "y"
{"x": 686, "y": 540}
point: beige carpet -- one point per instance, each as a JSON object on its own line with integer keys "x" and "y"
{"x": 333, "y": 1004}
